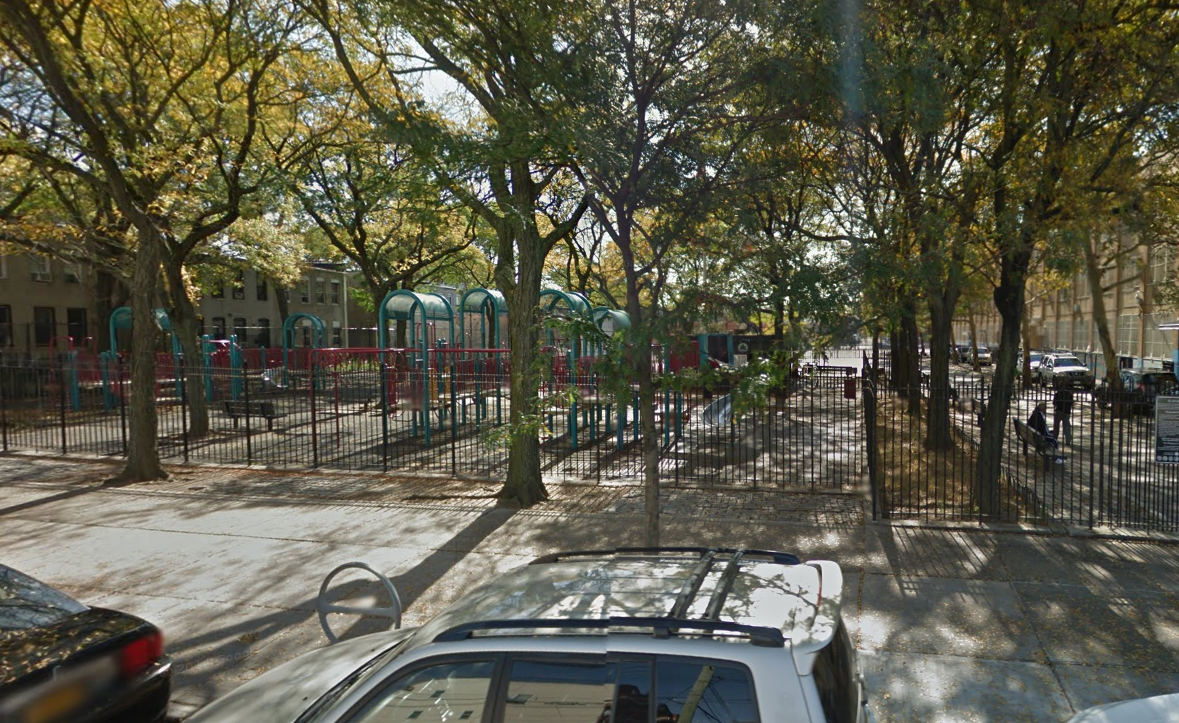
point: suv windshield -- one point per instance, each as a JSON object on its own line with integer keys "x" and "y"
{"x": 1067, "y": 361}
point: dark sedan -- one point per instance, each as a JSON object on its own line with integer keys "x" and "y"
{"x": 62, "y": 661}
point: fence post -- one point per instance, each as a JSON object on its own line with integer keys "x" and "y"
{"x": 246, "y": 398}
{"x": 61, "y": 402}
{"x": 181, "y": 373}
{"x": 314, "y": 425}
{"x": 4, "y": 412}
{"x": 122, "y": 403}
{"x": 453, "y": 417}
{"x": 384, "y": 415}
{"x": 870, "y": 440}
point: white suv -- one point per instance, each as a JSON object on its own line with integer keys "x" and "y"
{"x": 625, "y": 636}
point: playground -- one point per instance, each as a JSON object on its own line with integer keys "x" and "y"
{"x": 433, "y": 397}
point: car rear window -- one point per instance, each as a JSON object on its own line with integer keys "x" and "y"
{"x": 28, "y": 603}
{"x": 835, "y": 677}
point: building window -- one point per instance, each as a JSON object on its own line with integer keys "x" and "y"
{"x": 260, "y": 288}
{"x": 239, "y": 329}
{"x": 5, "y": 325}
{"x": 44, "y": 322}
{"x": 239, "y": 287}
{"x": 1127, "y": 341}
{"x": 76, "y": 325}
{"x": 336, "y": 334}
{"x": 3, "y": 267}
{"x": 320, "y": 292}
{"x": 73, "y": 274}
{"x": 306, "y": 296}
{"x": 218, "y": 291}
{"x": 218, "y": 327}
{"x": 39, "y": 267}
{"x": 306, "y": 335}
{"x": 335, "y": 292}
{"x": 263, "y": 338}
{"x": 1161, "y": 262}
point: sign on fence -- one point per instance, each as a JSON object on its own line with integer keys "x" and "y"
{"x": 1166, "y": 426}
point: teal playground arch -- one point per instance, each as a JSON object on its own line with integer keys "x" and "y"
{"x": 411, "y": 307}
{"x": 123, "y": 318}
{"x": 485, "y": 303}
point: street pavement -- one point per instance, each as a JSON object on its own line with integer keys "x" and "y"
{"x": 952, "y": 624}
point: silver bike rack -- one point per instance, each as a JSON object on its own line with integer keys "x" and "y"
{"x": 392, "y": 612}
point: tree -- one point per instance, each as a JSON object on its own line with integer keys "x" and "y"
{"x": 1075, "y": 91}
{"x": 164, "y": 102}
{"x": 664, "y": 118}
{"x": 378, "y": 206}
{"x": 499, "y": 143}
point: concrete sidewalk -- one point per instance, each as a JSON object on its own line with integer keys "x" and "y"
{"x": 952, "y": 625}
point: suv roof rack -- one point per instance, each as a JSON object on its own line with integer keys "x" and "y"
{"x": 660, "y": 628}
{"x": 781, "y": 558}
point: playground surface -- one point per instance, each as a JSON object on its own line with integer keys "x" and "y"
{"x": 952, "y": 624}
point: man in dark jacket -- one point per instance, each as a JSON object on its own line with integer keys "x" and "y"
{"x": 1062, "y": 409}
{"x": 1039, "y": 422}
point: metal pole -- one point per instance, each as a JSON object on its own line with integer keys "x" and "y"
{"x": 184, "y": 410}
{"x": 4, "y": 415}
{"x": 246, "y": 398}
{"x": 314, "y": 427}
{"x": 384, "y": 416}
{"x": 122, "y": 403}
{"x": 61, "y": 401}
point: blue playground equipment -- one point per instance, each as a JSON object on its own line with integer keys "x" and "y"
{"x": 121, "y": 318}
{"x": 422, "y": 311}
{"x": 482, "y": 361}
{"x": 318, "y": 339}
{"x": 488, "y": 305}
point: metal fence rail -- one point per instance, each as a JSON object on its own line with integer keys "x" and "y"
{"x": 1104, "y": 474}
{"x": 374, "y": 415}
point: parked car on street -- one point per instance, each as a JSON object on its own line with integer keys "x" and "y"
{"x": 1064, "y": 370}
{"x": 1034, "y": 358}
{"x": 643, "y": 636}
{"x": 1159, "y": 709}
{"x": 984, "y": 356}
{"x": 962, "y": 354}
{"x": 1139, "y": 389}
{"x": 63, "y": 661}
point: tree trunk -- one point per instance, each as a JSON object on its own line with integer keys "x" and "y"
{"x": 1025, "y": 333}
{"x": 1009, "y": 300}
{"x": 941, "y": 315}
{"x": 973, "y": 340}
{"x": 184, "y": 326}
{"x": 143, "y": 457}
{"x": 522, "y": 294}
{"x": 1100, "y": 316}
{"x": 640, "y": 357}
{"x": 911, "y": 366}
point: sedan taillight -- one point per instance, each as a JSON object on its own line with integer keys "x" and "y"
{"x": 139, "y": 655}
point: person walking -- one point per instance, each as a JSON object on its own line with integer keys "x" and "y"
{"x": 1062, "y": 410}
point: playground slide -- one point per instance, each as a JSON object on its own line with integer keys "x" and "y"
{"x": 718, "y": 412}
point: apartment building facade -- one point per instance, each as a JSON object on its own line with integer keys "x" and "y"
{"x": 45, "y": 303}
{"x": 1066, "y": 318}
{"x": 48, "y": 306}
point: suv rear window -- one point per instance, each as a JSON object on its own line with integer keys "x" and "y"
{"x": 839, "y": 691}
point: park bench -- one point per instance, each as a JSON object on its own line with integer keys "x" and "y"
{"x": 1039, "y": 442}
{"x": 236, "y": 410}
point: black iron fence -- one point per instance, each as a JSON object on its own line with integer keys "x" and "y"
{"x": 381, "y": 414}
{"x": 1098, "y": 469}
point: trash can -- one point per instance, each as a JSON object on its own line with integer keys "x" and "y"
{"x": 849, "y": 388}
